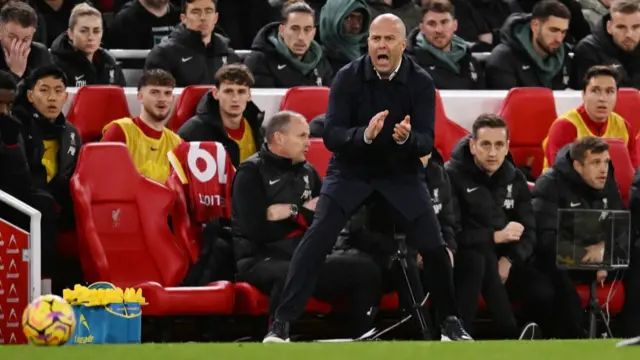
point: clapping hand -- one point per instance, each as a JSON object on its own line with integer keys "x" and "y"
{"x": 402, "y": 130}
{"x": 375, "y": 125}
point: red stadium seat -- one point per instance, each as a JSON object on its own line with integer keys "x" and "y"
{"x": 122, "y": 222}
{"x": 319, "y": 156}
{"x": 447, "y": 132}
{"x": 95, "y": 106}
{"x": 310, "y": 101}
{"x": 623, "y": 169}
{"x": 529, "y": 113}
{"x": 186, "y": 104}
{"x": 250, "y": 301}
{"x": 628, "y": 105}
{"x": 610, "y": 296}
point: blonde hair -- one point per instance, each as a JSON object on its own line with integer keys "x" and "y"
{"x": 80, "y": 10}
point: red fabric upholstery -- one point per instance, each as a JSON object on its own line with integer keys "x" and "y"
{"x": 627, "y": 106}
{"x": 186, "y": 105}
{"x": 319, "y": 156}
{"x": 310, "y": 101}
{"x": 529, "y": 113}
{"x": 614, "y": 290}
{"x": 122, "y": 222}
{"x": 94, "y": 106}
{"x": 250, "y": 301}
{"x": 447, "y": 132}
{"x": 622, "y": 165}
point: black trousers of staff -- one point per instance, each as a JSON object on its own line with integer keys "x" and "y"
{"x": 422, "y": 234}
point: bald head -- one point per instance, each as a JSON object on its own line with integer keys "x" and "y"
{"x": 387, "y": 41}
{"x": 389, "y": 22}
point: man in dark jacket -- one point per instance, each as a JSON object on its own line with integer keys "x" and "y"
{"x": 16, "y": 179}
{"x": 227, "y": 115}
{"x": 52, "y": 144}
{"x": 285, "y": 55}
{"x": 495, "y": 229}
{"x": 444, "y": 55}
{"x": 379, "y": 122}
{"x": 192, "y": 53}
{"x": 343, "y": 31}
{"x": 21, "y": 55}
{"x": 80, "y": 56}
{"x": 532, "y": 52}
{"x": 581, "y": 178}
{"x": 274, "y": 200}
{"x": 614, "y": 43}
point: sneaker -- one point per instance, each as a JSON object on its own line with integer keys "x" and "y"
{"x": 452, "y": 330}
{"x": 278, "y": 333}
{"x": 531, "y": 331}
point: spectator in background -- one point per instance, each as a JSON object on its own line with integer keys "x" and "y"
{"x": 78, "y": 53}
{"x": 242, "y": 19}
{"x": 595, "y": 117}
{"x": 192, "y": 53}
{"x": 56, "y": 15}
{"x": 142, "y": 24}
{"x": 407, "y": 10}
{"x": 579, "y": 28}
{"x": 52, "y": 144}
{"x": 285, "y": 55}
{"x": 146, "y": 136}
{"x": 343, "y": 31}
{"x": 18, "y": 23}
{"x": 614, "y": 42}
{"x": 227, "y": 115}
{"x": 532, "y": 52}
{"x": 444, "y": 55}
{"x": 493, "y": 13}
{"x": 594, "y": 10}
{"x": 41, "y": 29}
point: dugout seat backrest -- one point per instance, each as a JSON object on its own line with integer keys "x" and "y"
{"x": 122, "y": 219}
{"x": 310, "y": 101}
{"x": 447, "y": 132}
{"x": 529, "y": 113}
{"x": 185, "y": 107}
{"x": 319, "y": 156}
{"x": 94, "y": 106}
{"x": 628, "y": 106}
{"x": 623, "y": 169}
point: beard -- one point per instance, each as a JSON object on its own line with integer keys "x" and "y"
{"x": 154, "y": 114}
{"x": 546, "y": 47}
{"x": 156, "y": 4}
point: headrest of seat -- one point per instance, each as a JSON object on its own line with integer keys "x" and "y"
{"x": 107, "y": 171}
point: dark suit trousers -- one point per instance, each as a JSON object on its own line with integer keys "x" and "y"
{"x": 422, "y": 234}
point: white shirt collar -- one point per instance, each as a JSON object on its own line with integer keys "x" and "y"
{"x": 393, "y": 74}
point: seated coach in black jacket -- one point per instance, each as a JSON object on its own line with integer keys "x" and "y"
{"x": 274, "y": 198}
{"x": 495, "y": 229}
{"x": 581, "y": 178}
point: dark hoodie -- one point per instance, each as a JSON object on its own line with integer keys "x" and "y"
{"x": 207, "y": 125}
{"x": 367, "y": 230}
{"x": 563, "y": 188}
{"x": 634, "y": 207}
{"x": 406, "y": 10}
{"x": 486, "y": 204}
{"x": 185, "y": 56}
{"x": 341, "y": 48}
{"x": 515, "y": 63}
{"x": 599, "y": 49}
{"x": 80, "y": 71}
{"x": 136, "y": 28}
{"x": 274, "y": 66}
{"x": 453, "y": 70}
{"x": 56, "y": 21}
